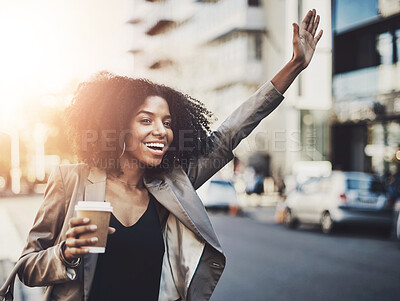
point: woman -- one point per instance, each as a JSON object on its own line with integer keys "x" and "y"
{"x": 164, "y": 247}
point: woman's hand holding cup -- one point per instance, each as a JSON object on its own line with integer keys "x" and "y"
{"x": 76, "y": 247}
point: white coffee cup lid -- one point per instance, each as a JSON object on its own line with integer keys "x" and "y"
{"x": 91, "y": 205}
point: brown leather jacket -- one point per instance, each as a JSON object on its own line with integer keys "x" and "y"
{"x": 193, "y": 261}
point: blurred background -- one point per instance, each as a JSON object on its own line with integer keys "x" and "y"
{"x": 327, "y": 157}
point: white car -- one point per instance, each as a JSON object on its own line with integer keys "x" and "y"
{"x": 219, "y": 195}
{"x": 343, "y": 197}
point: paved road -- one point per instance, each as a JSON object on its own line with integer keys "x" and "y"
{"x": 267, "y": 262}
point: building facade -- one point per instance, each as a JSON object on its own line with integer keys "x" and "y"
{"x": 366, "y": 87}
{"x": 220, "y": 52}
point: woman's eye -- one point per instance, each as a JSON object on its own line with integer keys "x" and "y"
{"x": 167, "y": 123}
{"x": 146, "y": 120}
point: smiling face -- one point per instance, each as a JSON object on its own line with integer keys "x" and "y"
{"x": 150, "y": 131}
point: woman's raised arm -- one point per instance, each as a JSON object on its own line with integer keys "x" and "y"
{"x": 247, "y": 116}
{"x": 304, "y": 44}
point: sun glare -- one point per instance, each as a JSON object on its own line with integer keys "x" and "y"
{"x": 48, "y": 46}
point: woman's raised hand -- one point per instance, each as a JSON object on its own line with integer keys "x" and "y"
{"x": 75, "y": 247}
{"x": 304, "y": 38}
{"x": 304, "y": 44}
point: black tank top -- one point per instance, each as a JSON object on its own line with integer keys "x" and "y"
{"x": 130, "y": 269}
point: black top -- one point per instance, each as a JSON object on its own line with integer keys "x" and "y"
{"x": 130, "y": 269}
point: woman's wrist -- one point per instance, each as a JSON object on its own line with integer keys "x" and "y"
{"x": 284, "y": 78}
{"x": 68, "y": 263}
{"x": 296, "y": 65}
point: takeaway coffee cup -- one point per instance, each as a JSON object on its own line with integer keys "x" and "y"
{"x": 99, "y": 214}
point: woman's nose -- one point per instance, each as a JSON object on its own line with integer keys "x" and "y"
{"x": 159, "y": 129}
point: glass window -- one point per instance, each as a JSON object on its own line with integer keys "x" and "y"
{"x": 254, "y": 2}
{"x": 397, "y": 36}
{"x": 371, "y": 185}
{"x": 350, "y": 13}
{"x": 258, "y": 42}
{"x": 255, "y": 47}
{"x": 355, "y": 50}
{"x": 384, "y": 47}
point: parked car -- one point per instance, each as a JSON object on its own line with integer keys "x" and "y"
{"x": 219, "y": 195}
{"x": 343, "y": 197}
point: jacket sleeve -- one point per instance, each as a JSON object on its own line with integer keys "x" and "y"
{"x": 44, "y": 267}
{"x": 235, "y": 128}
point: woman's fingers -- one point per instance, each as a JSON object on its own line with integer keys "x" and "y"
{"x": 319, "y": 35}
{"x": 73, "y": 253}
{"x": 77, "y": 243}
{"x": 311, "y": 21}
{"x": 111, "y": 230}
{"x": 75, "y": 246}
{"x": 307, "y": 19}
{"x": 316, "y": 23}
{"x": 295, "y": 35}
{"x": 79, "y": 230}
{"x": 77, "y": 221}
{"x": 295, "y": 30}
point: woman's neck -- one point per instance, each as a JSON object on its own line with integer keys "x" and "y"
{"x": 132, "y": 172}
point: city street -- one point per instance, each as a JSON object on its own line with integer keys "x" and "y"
{"x": 274, "y": 110}
{"x": 265, "y": 261}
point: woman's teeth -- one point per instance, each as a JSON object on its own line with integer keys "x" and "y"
{"x": 155, "y": 144}
{"x": 158, "y": 147}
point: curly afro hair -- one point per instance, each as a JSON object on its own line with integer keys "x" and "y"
{"x": 103, "y": 107}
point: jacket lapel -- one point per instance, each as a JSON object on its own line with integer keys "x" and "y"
{"x": 95, "y": 190}
{"x": 175, "y": 192}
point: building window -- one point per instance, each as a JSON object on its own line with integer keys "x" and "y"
{"x": 384, "y": 46}
{"x": 255, "y": 47}
{"x": 397, "y": 45}
{"x": 258, "y": 45}
{"x": 355, "y": 50}
{"x": 254, "y": 2}
{"x": 348, "y": 13}
{"x": 372, "y": 45}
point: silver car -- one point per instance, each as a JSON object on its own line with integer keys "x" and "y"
{"x": 343, "y": 197}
